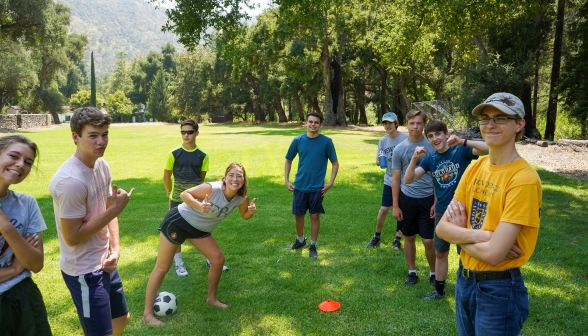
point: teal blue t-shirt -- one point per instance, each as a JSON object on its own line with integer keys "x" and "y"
{"x": 447, "y": 169}
{"x": 313, "y": 154}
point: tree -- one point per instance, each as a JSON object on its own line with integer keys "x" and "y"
{"x": 120, "y": 79}
{"x": 17, "y": 74}
{"x": 191, "y": 19}
{"x": 22, "y": 18}
{"x": 119, "y": 106}
{"x": 555, "y": 70}
{"x": 159, "y": 103}
{"x": 80, "y": 99}
{"x": 574, "y": 83}
{"x": 92, "y": 81}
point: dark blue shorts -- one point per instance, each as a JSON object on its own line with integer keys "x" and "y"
{"x": 99, "y": 298}
{"x": 416, "y": 216}
{"x": 176, "y": 229}
{"x": 441, "y": 245}
{"x": 311, "y": 201}
{"x": 387, "y": 196}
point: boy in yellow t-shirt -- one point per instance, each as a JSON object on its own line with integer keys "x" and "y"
{"x": 494, "y": 216}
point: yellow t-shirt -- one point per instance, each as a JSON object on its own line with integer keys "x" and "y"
{"x": 507, "y": 193}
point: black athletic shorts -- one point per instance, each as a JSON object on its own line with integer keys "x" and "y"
{"x": 416, "y": 213}
{"x": 176, "y": 229}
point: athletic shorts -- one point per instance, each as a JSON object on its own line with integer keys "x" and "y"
{"x": 22, "y": 311}
{"x": 99, "y": 298}
{"x": 387, "y": 196}
{"x": 416, "y": 213}
{"x": 311, "y": 201}
{"x": 176, "y": 229}
{"x": 441, "y": 245}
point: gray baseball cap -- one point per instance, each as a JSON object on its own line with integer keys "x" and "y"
{"x": 390, "y": 116}
{"x": 505, "y": 102}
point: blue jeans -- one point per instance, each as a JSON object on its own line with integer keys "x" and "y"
{"x": 490, "y": 307}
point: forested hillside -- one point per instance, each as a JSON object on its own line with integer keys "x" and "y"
{"x": 114, "y": 26}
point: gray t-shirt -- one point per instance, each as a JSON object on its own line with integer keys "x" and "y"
{"x": 220, "y": 208}
{"x": 386, "y": 146}
{"x": 23, "y": 212}
{"x": 422, "y": 187}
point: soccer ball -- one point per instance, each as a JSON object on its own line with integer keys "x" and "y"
{"x": 165, "y": 304}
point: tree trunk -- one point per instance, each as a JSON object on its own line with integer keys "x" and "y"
{"x": 530, "y": 122}
{"x": 313, "y": 102}
{"x": 359, "y": 90}
{"x": 280, "y": 109}
{"x": 555, "y": 69}
{"x": 299, "y": 107}
{"x": 338, "y": 78}
{"x": 536, "y": 87}
{"x": 330, "y": 119}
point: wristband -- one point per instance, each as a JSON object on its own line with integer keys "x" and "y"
{"x": 465, "y": 142}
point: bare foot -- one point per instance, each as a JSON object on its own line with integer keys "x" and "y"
{"x": 151, "y": 319}
{"x": 217, "y": 303}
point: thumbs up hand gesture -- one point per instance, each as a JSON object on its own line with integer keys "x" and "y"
{"x": 205, "y": 205}
{"x": 251, "y": 208}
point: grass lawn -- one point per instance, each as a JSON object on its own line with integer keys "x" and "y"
{"x": 274, "y": 291}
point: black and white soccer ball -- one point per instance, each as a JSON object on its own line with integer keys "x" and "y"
{"x": 165, "y": 304}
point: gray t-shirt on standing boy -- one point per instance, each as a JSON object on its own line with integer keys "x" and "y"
{"x": 422, "y": 187}
{"x": 386, "y": 146}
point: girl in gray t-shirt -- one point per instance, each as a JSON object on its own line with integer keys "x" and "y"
{"x": 204, "y": 207}
{"x": 22, "y": 310}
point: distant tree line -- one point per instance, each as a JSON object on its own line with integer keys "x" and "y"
{"x": 350, "y": 60}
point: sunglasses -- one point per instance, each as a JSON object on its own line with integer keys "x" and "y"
{"x": 188, "y": 132}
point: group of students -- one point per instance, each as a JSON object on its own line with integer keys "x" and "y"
{"x": 490, "y": 208}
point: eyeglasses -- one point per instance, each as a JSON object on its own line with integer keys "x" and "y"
{"x": 188, "y": 132}
{"x": 483, "y": 120}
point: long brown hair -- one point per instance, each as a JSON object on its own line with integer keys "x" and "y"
{"x": 243, "y": 190}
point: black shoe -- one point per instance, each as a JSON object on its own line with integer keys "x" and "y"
{"x": 298, "y": 244}
{"x": 312, "y": 251}
{"x": 432, "y": 279}
{"x": 412, "y": 279}
{"x": 374, "y": 242}
{"x": 396, "y": 245}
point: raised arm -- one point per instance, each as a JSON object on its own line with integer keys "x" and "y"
{"x": 76, "y": 231}
{"x": 480, "y": 147}
{"x": 193, "y": 195}
{"x": 247, "y": 209}
{"x": 413, "y": 172}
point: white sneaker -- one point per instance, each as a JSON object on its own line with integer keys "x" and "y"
{"x": 181, "y": 270}
{"x": 225, "y": 267}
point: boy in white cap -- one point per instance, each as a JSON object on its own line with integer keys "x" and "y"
{"x": 494, "y": 216}
{"x": 386, "y": 147}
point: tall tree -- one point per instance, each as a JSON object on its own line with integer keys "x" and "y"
{"x": 92, "y": 81}
{"x": 22, "y": 18}
{"x": 159, "y": 103}
{"x": 574, "y": 79}
{"x": 555, "y": 70}
{"x": 17, "y": 71}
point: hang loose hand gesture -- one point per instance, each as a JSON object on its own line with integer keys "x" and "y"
{"x": 205, "y": 205}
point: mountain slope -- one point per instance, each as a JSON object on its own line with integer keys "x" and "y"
{"x": 114, "y": 26}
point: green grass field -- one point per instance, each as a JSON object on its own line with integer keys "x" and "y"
{"x": 274, "y": 291}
